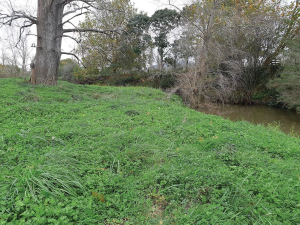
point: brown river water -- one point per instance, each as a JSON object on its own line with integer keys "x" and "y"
{"x": 288, "y": 121}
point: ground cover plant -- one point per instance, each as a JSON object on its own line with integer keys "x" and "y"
{"x": 75, "y": 154}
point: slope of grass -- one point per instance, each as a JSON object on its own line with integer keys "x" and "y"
{"x": 74, "y": 154}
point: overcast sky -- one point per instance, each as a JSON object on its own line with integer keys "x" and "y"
{"x": 150, "y": 6}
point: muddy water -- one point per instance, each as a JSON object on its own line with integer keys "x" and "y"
{"x": 287, "y": 120}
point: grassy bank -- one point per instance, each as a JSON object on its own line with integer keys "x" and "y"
{"x": 75, "y": 154}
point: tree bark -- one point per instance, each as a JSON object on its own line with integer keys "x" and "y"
{"x": 49, "y": 38}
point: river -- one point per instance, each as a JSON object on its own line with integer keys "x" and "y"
{"x": 288, "y": 121}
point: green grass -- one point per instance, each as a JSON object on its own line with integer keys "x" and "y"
{"x": 74, "y": 154}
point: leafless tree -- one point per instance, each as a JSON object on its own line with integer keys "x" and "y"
{"x": 24, "y": 52}
{"x": 8, "y": 65}
{"x": 51, "y": 19}
{"x": 215, "y": 74}
{"x": 18, "y": 47}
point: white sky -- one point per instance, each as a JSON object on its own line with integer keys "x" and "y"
{"x": 150, "y": 6}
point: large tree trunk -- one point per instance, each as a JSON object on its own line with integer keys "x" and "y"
{"x": 49, "y": 36}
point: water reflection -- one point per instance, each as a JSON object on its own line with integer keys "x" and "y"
{"x": 257, "y": 114}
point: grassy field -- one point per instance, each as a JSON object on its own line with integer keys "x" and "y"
{"x": 74, "y": 154}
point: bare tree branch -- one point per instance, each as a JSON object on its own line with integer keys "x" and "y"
{"x": 22, "y": 28}
{"x": 67, "y": 36}
{"x": 72, "y": 54}
{"x": 70, "y": 22}
{"x": 91, "y": 30}
{"x": 79, "y": 14}
{"x": 77, "y": 9}
{"x": 89, "y": 2}
{"x": 93, "y": 4}
{"x": 7, "y": 19}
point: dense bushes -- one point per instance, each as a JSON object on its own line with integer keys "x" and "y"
{"x": 287, "y": 83}
{"x": 288, "y": 87}
{"x": 164, "y": 80}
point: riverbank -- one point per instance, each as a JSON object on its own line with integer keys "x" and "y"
{"x": 282, "y": 119}
{"x": 116, "y": 155}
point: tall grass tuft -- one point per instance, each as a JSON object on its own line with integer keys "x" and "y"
{"x": 55, "y": 173}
